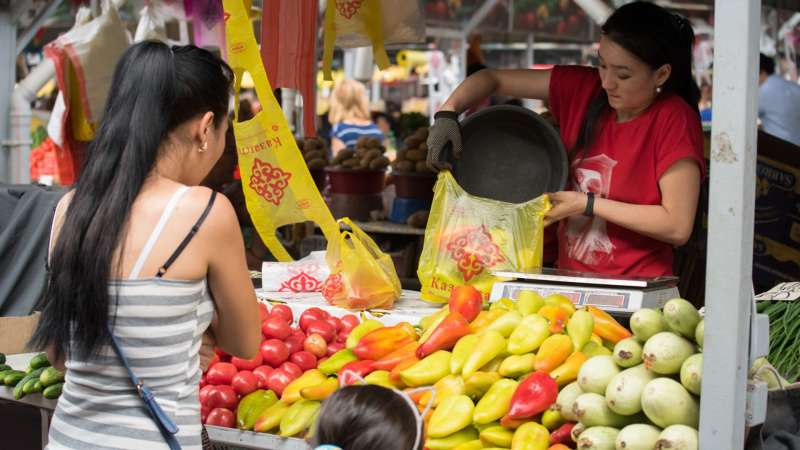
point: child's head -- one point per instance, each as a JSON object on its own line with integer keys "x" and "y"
{"x": 368, "y": 417}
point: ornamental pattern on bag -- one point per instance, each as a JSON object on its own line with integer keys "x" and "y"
{"x": 332, "y": 286}
{"x": 302, "y": 279}
{"x": 348, "y": 8}
{"x": 473, "y": 250}
{"x": 269, "y": 182}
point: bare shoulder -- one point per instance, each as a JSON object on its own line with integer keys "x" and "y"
{"x": 221, "y": 219}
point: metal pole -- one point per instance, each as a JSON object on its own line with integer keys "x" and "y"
{"x": 529, "y": 51}
{"x": 730, "y": 230}
{"x": 8, "y": 53}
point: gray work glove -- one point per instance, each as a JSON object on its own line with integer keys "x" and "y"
{"x": 445, "y": 130}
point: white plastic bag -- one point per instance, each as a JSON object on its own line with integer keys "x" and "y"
{"x": 305, "y": 275}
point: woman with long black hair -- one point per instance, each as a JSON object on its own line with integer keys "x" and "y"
{"x": 633, "y": 133}
{"x": 137, "y": 250}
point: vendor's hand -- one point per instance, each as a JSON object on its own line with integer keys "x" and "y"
{"x": 207, "y": 346}
{"x": 445, "y": 129}
{"x": 565, "y": 204}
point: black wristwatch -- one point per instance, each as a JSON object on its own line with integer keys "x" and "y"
{"x": 589, "y": 211}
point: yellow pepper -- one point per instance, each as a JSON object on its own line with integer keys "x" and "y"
{"x": 516, "y": 366}
{"x": 529, "y": 302}
{"x": 380, "y": 378}
{"x": 320, "y": 391}
{"x": 449, "y": 386}
{"x": 506, "y": 323}
{"x": 270, "y": 417}
{"x": 495, "y": 403}
{"x": 447, "y": 443}
{"x": 464, "y": 347}
{"x": 309, "y": 378}
{"x": 299, "y": 417}
{"x": 529, "y": 335}
{"x": 478, "y": 383}
{"x": 579, "y": 328}
{"x": 453, "y": 414}
{"x": 567, "y": 372}
{"x": 490, "y": 345}
{"x": 497, "y": 436}
{"x": 531, "y": 436}
{"x": 470, "y": 445}
{"x": 427, "y": 371}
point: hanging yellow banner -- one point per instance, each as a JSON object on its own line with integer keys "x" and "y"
{"x": 277, "y": 185}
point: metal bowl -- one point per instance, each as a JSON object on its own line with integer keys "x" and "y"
{"x": 509, "y": 154}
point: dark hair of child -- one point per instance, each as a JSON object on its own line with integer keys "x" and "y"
{"x": 367, "y": 417}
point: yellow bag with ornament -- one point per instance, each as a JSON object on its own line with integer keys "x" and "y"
{"x": 469, "y": 237}
{"x": 277, "y": 185}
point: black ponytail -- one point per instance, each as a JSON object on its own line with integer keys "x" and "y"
{"x": 657, "y": 37}
{"x": 154, "y": 89}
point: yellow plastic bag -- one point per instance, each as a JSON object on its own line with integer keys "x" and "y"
{"x": 362, "y": 276}
{"x": 469, "y": 237}
{"x": 277, "y": 186}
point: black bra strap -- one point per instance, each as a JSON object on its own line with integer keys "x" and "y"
{"x": 163, "y": 269}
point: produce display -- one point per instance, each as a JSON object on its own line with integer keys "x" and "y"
{"x": 236, "y": 392}
{"x": 412, "y": 158}
{"x": 314, "y": 151}
{"x": 784, "y": 336}
{"x": 38, "y": 377}
{"x": 368, "y": 154}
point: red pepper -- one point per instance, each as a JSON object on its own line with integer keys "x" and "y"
{"x": 467, "y": 301}
{"x": 562, "y": 434}
{"x": 533, "y": 395}
{"x": 361, "y": 368}
{"x": 445, "y": 335}
{"x": 382, "y": 341}
{"x": 392, "y": 359}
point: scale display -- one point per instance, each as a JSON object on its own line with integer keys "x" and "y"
{"x": 618, "y": 295}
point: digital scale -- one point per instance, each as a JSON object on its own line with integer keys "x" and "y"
{"x": 615, "y": 294}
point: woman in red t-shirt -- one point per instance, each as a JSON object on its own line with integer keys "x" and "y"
{"x": 633, "y": 134}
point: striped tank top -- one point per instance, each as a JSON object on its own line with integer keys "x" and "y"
{"x": 349, "y": 133}
{"x": 159, "y": 324}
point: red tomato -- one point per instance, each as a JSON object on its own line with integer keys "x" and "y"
{"x": 221, "y": 417}
{"x": 278, "y": 380}
{"x": 296, "y": 331}
{"x": 295, "y": 343}
{"x": 335, "y": 347}
{"x": 263, "y": 312}
{"x": 203, "y": 381}
{"x": 323, "y": 328}
{"x": 203, "y": 396}
{"x": 275, "y": 327}
{"x": 222, "y": 397}
{"x": 247, "y": 364}
{"x": 284, "y": 312}
{"x": 292, "y": 369}
{"x": 312, "y": 314}
{"x": 204, "y": 410}
{"x": 221, "y": 373}
{"x": 342, "y": 336}
{"x": 305, "y": 360}
{"x": 262, "y": 373}
{"x": 274, "y": 352}
{"x": 244, "y": 382}
{"x": 335, "y": 322}
{"x": 316, "y": 345}
{"x": 349, "y": 321}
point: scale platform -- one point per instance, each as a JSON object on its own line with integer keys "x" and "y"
{"x": 621, "y": 295}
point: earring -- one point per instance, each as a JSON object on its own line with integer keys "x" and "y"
{"x": 658, "y": 89}
{"x": 203, "y": 147}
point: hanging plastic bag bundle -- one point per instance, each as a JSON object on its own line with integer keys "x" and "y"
{"x": 469, "y": 237}
{"x": 362, "y": 276}
{"x": 361, "y": 23}
{"x": 277, "y": 186}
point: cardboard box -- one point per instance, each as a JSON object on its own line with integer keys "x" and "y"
{"x": 15, "y": 333}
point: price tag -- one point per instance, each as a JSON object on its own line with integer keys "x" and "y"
{"x": 782, "y": 292}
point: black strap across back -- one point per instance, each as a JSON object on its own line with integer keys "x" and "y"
{"x": 185, "y": 242}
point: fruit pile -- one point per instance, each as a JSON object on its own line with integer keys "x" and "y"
{"x": 643, "y": 395}
{"x": 367, "y": 155}
{"x": 38, "y": 377}
{"x": 529, "y": 374}
{"x": 286, "y": 354}
{"x": 314, "y": 152}
{"x": 412, "y": 158}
